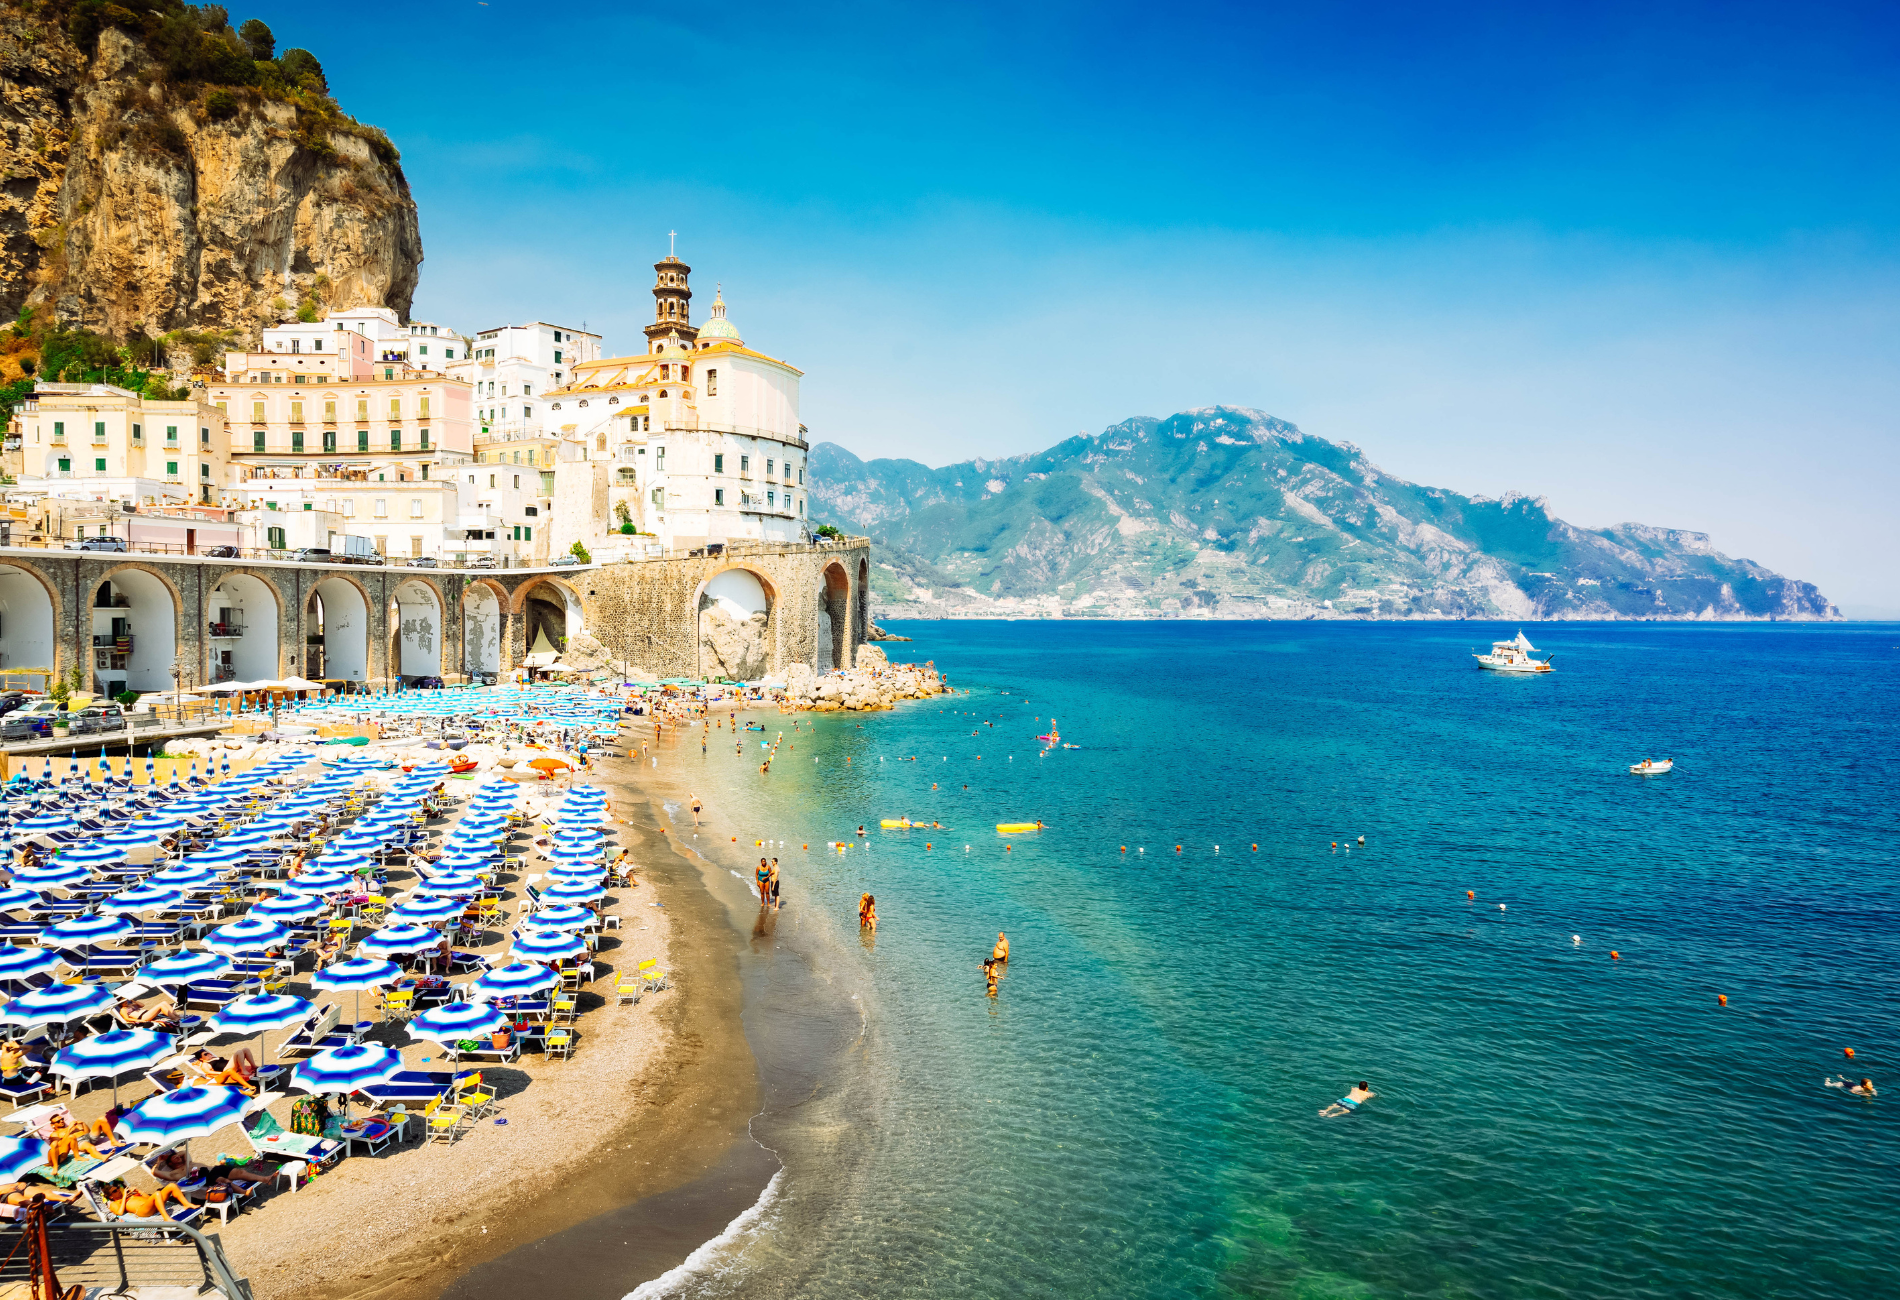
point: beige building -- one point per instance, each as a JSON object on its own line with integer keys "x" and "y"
{"x": 109, "y": 443}
{"x": 508, "y": 496}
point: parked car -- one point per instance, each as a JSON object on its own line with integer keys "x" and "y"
{"x": 565, "y": 559}
{"x": 421, "y": 562}
{"x": 11, "y": 701}
{"x": 106, "y": 712}
{"x": 101, "y": 544}
{"x": 481, "y": 562}
{"x": 311, "y": 555}
{"x": 374, "y": 557}
{"x": 40, "y": 715}
{"x": 15, "y": 726}
{"x": 220, "y": 552}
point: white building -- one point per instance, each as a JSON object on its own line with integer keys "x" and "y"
{"x": 698, "y": 437}
{"x": 513, "y": 368}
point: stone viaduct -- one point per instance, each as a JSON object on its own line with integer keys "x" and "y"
{"x": 131, "y": 619}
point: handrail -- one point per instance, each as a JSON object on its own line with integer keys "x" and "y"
{"x": 121, "y": 1258}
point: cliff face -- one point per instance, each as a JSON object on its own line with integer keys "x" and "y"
{"x": 129, "y": 204}
{"x": 1230, "y": 513}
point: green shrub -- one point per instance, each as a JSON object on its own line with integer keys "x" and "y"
{"x": 221, "y": 105}
{"x": 127, "y": 698}
{"x": 579, "y": 552}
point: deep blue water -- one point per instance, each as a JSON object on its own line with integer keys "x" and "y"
{"x": 1135, "y": 1113}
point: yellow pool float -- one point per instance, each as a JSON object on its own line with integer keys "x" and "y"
{"x": 903, "y": 822}
{"x": 1014, "y": 828}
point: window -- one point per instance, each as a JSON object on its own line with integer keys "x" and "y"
{"x": 137, "y": 435}
{"x": 771, "y": 500}
{"x": 296, "y": 412}
{"x": 423, "y": 351}
{"x": 745, "y": 465}
{"x": 274, "y": 538}
{"x": 395, "y": 408}
{"x": 491, "y": 480}
{"x": 415, "y": 507}
{"x": 389, "y": 374}
{"x": 99, "y": 465}
{"x": 171, "y": 433}
{"x": 329, "y": 412}
{"x": 768, "y": 469}
{"x": 59, "y": 431}
{"x": 422, "y": 411}
{"x": 801, "y": 473}
{"x": 527, "y": 534}
{"x": 381, "y": 508}
{"x": 329, "y": 440}
{"x": 204, "y": 471}
{"x": 296, "y": 439}
{"x": 425, "y": 473}
{"x": 296, "y": 345}
{"x": 532, "y": 511}
{"x": 712, "y": 383}
{"x": 204, "y": 437}
{"x": 527, "y": 412}
{"x": 801, "y": 505}
{"x": 171, "y": 469}
{"x": 362, "y": 439}
{"x": 516, "y": 535}
{"x": 557, "y": 356}
{"x": 316, "y": 345}
{"x": 659, "y": 458}
{"x": 257, "y": 413}
{"x": 98, "y": 430}
{"x": 527, "y": 390}
{"x": 517, "y": 482}
{"x": 719, "y": 496}
{"x": 349, "y": 508}
{"x": 65, "y": 465}
{"x": 257, "y": 440}
{"x": 719, "y": 463}
{"x": 424, "y": 435}
{"x": 395, "y": 439}
{"x": 362, "y": 410}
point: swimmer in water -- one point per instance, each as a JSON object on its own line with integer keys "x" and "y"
{"x": 1000, "y": 953}
{"x": 867, "y": 912}
{"x": 1361, "y": 1091}
{"x": 860, "y": 832}
{"x": 990, "y": 974}
{"x": 1865, "y": 1088}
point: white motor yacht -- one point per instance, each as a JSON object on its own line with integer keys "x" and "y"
{"x": 1513, "y": 656}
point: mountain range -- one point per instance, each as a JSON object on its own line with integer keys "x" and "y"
{"x": 1227, "y": 512}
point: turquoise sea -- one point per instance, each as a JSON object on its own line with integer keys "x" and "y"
{"x": 1135, "y": 1113}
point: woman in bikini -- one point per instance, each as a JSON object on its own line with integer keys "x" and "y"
{"x": 202, "y": 1070}
{"x": 765, "y": 883}
{"x": 867, "y": 912}
{"x": 1361, "y": 1091}
{"x": 124, "y": 1201}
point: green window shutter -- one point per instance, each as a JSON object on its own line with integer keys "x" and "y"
{"x": 425, "y": 439}
{"x": 274, "y": 538}
{"x": 65, "y": 464}
{"x": 171, "y": 469}
{"x": 362, "y": 439}
{"x": 59, "y": 430}
{"x": 257, "y": 440}
{"x": 296, "y": 439}
{"x": 395, "y": 439}
{"x": 329, "y": 439}
{"x": 171, "y": 433}
{"x": 137, "y": 433}
{"x": 527, "y": 534}
{"x": 99, "y": 429}
{"x": 100, "y": 465}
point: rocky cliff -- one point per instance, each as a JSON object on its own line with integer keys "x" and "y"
{"x": 1229, "y": 513}
{"x": 158, "y": 177}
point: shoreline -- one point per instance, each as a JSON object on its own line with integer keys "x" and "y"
{"x": 473, "y": 1213}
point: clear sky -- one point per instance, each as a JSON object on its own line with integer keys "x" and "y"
{"x": 1640, "y": 259}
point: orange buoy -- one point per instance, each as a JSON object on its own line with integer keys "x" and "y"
{"x": 1615, "y": 955}
{"x": 804, "y": 846}
{"x": 1469, "y": 894}
{"x": 1177, "y": 848}
{"x": 1256, "y": 848}
{"x": 1124, "y": 848}
{"x": 1850, "y": 1053}
{"x": 1722, "y": 998}
{"x": 1009, "y": 848}
{"x": 926, "y": 843}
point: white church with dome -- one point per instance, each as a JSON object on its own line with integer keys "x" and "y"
{"x": 694, "y": 441}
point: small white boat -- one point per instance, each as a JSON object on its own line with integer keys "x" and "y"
{"x": 1513, "y": 656}
{"x": 1650, "y": 767}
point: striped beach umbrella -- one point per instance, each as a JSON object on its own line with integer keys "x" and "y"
{"x": 321, "y": 880}
{"x": 90, "y": 856}
{"x": 573, "y": 891}
{"x": 564, "y": 917}
{"x": 584, "y": 872}
{"x": 247, "y": 935}
{"x": 452, "y": 883}
{"x": 187, "y": 875}
{"x": 184, "y": 967}
{"x": 112, "y": 1054}
{"x": 151, "y": 766}
{"x": 457, "y": 1020}
{"x": 398, "y": 940}
{"x": 349, "y": 1068}
{"x": 85, "y": 931}
{"x": 52, "y": 876}
{"x": 353, "y": 863}
{"x": 181, "y": 1115}
{"x": 55, "y": 1005}
{"x": 291, "y": 905}
{"x": 21, "y": 1155}
{"x": 356, "y": 973}
{"x": 143, "y": 898}
{"x": 15, "y": 897}
{"x": 25, "y": 963}
{"x": 425, "y": 909}
{"x": 516, "y": 979}
{"x": 547, "y": 945}
{"x": 260, "y": 1014}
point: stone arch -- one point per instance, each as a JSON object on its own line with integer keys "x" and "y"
{"x": 147, "y": 624}
{"x": 246, "y": 647}
{"x": 417, "y": 629}
{"x": 29, "y": 620}
{"x": 547, "y": 624}
{"x": 337, "y": 640}
{"x": 483, "y": 612}
{"x": 735, "y": 615}
{"x": 834, "y": 619}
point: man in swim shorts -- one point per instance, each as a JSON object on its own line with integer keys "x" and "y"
{"x": 1865, "y": 1088}
{"x": 1361, "y": 1091}
{"x": 1000, "y": 953}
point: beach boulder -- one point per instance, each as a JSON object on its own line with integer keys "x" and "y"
{"x": 585, "y": 654}
{"x": 872, "y": 657}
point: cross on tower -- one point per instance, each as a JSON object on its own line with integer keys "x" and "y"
{"x": 670, "y": 250}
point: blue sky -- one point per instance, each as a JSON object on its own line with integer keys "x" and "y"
{"x": 1639, "y": 259}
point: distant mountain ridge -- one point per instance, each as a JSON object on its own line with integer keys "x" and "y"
{"x": 1226, "y": 512}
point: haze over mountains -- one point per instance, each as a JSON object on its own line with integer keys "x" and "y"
{"x": 1226, "y": 512}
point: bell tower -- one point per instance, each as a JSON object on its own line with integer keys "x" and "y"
{"x": 672, "y": 303}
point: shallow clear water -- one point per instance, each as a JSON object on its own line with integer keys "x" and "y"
{"x": 1134, "y": 1115}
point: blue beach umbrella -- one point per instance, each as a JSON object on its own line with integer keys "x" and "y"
{"x": 55, "y": 876}
{"x": 461, "y": 883}
{"x": 573, "y": 891}
{"x": 457, "y": 1020}
{"x": 91, "y": 855}
{"x": 55, "y": 1005}
{"x": 260, "y": 1014}
{"x": 181, "y": 1115}
{"x": 112, "y": 1054}
{"x": 426, "y": 910}
{"x": 247, "y": 935}
{"x": 291, "y": 905}
{"x": 84, "y": 931}
{"x": 185, "y": 876}
{"x": 349, "y": 1068}
{"x": 184, "y": 967}
{"x": 321, "y": 879}
{"x": 547, "y": 945}
{"x": 517, "y": 979}
{"x": 13, "y": 898}
{"x": 565, "y": 917}
{"x": 459, "y": 860}
{"x": 21, "y": 1155}
{"x": 585, "y": 873}
{"x": 144, "y": 898}
{"x": 45, "y": 824}
{"x": 397, "y": 940}
{"x": 218, "y": 858}
{"x": 25, "y": 963}
{"x": 354, "y": 863}
{"x": 357, "y": 973}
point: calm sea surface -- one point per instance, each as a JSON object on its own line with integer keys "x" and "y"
{"x": 1134, "y": 1115}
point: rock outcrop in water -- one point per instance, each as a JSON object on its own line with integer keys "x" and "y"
{"x": 1230, "y": 513}
{"x": 157, "y": 181}
{"x": 875, "y": 683}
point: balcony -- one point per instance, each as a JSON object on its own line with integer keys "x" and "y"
{"x": 117, "y": 644}
{"x": 226, "y": 631}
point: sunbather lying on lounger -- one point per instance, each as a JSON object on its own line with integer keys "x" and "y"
{"x": 202, "y": 1070}
{"x": 137, "y": 1015}
{"x": 15, "y": 1061}
{"x": 124, "y": 1200}
{"x": 23, "y": 1193}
